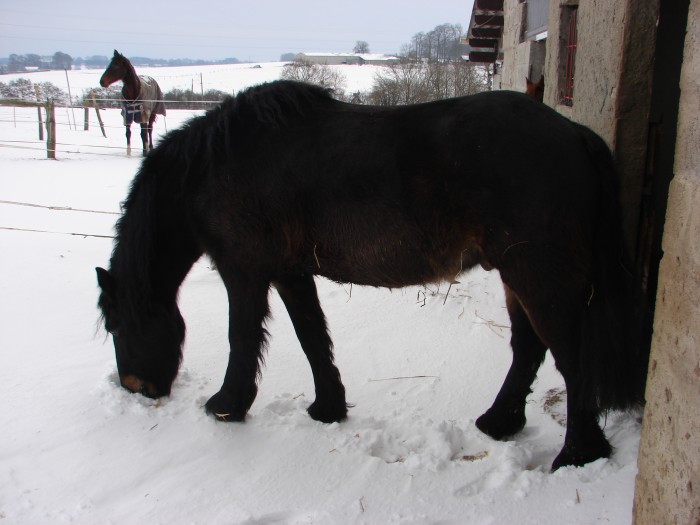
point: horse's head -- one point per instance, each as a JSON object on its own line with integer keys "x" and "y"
{"x": 535, "y": 89}
{"x": 116, "y": 70}
{"x": 147, "y": 344}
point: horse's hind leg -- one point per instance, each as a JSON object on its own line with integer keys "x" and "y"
{"x": 144, "y": 137}
{"x": 151, "y": 121}
{"x": 301, "y": 300}
{"x": 128, "y": 139}
{"x": 248, "y": 309}
{"x": 506, "y": 416}
{"x": 554, "y": 296}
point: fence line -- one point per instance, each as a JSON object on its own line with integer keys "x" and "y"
{"x": 56, "y": 208}
{"x": 50, "y": 120}
{"x": 53, "y": 123}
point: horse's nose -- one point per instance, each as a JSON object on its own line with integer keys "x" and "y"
{"x": 138, "y": 386}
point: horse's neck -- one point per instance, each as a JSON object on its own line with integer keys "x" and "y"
{"x": 132, "y": 84}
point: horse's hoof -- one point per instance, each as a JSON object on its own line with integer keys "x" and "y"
{"x": 501, "y": 425}
{"x": 223, "y": 407}
{"x": 328, "y": 413}
{"x": 577, "y": 455}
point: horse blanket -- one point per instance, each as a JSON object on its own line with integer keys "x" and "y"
{"x": 150, "y": 100}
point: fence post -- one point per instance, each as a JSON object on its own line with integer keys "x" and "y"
{"x": 38, "y": 110}
{"x": 50, "y": 130}
{"x": 97, "y": 110}
{"x": 86, "y": 115}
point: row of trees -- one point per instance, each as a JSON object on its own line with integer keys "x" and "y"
{"x": 441, "y": 44}
{"x": 24, "y": 89}
{"x": 59, "y": 60}
{"x": 18, "y": 63}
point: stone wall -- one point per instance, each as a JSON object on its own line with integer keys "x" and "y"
{"x": 668, "y": 483}
{"x": 521, "y": 59}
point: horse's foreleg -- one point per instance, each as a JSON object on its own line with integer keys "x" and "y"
{"x": 301, "y": 300}
{"x": 248, "y": 308}
{"x": 506, "y": 416}
{"x": 128, "y": 139}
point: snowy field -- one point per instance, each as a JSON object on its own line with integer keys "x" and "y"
{"x": 419, "y": 366}
{"x": 228, "y": 78}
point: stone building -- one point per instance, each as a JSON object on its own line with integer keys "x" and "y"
{"x": 630, "y": 70}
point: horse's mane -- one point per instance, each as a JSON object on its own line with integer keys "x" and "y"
{"x": 276, "y": 102}
{"x": 134, "y": 248}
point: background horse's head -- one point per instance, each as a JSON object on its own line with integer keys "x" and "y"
{"x": 535, "y": 89}
{"x": 147, "y": 342}
{"x": 116, "y": 70}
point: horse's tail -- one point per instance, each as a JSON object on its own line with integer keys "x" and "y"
{"x": 614, "y": 350}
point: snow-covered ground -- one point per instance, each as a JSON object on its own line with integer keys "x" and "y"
{"x": 419, "y": 367}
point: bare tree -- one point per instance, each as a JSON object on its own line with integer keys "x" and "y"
{"x": 305, "y": 71}
{"x": 361, "y": 47}
{"x": 414, "y": 81}
{"x": 401, "y": 83}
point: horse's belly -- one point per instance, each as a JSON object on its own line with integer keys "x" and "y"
{"x": 392, "y": 262}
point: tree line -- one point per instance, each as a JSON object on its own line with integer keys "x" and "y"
{"x": 21, "y": 63}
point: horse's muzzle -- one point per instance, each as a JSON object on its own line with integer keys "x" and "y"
{"x": 138, "y": 386}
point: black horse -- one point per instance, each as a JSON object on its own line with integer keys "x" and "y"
{"x": 283, "y": 182}
{"x": 143, "y": 99}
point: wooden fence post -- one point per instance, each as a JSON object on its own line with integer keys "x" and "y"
{"x": 86, "y": 115}
{"x": 38, "y": 110}
{"x": 50, "y": 130}
{"x": 97, "y": 110}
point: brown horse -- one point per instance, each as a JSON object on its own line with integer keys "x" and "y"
{"x": 143, "y": 99}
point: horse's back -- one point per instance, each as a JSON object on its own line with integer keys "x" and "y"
{"x": 151, "y": 95}
{"x": 396, "y": 196}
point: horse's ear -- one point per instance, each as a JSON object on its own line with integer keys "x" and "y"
{"x": 116, "y": 54}
{"x": 106, "y": 282}
{"x": 527, "y": 82}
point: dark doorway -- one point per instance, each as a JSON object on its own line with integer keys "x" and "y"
{"x": 663, "y": 120}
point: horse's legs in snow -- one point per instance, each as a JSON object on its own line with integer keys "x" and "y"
{"x": 301, "y": 300}
{"x": 248, "y": 308}
{"x": 128, "y": 139}
{"x": 553, "y": 296}
{"x": 507, "y": 414}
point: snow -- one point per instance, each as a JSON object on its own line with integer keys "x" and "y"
{"x": 419, "y": 367}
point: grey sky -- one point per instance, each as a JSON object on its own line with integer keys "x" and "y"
{"x": 256, "y": 30}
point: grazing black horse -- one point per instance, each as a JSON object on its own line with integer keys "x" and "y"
{"x": 282, "y": 183}
{"x": 143, "y": 99}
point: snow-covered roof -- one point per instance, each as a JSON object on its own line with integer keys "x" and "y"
{"x": 363, "y": 56}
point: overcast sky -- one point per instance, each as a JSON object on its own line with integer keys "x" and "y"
{"x": 255, "y": 30}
